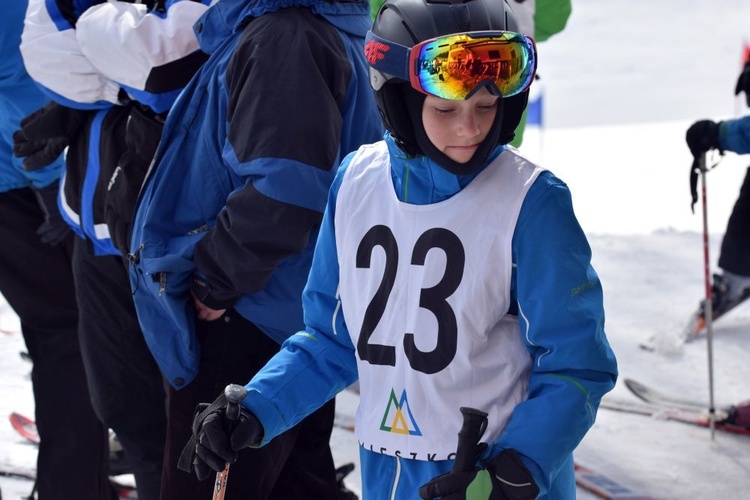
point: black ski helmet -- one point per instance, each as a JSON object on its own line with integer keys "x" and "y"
{"x": 408, "y": 22}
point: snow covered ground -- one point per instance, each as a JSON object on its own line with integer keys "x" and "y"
{"x": 621, "y": 86}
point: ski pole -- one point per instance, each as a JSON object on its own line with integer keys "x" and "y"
{"x": 472, "y": 429}
{"x": 708, "y": 313}
{"x": 234, "y": 393}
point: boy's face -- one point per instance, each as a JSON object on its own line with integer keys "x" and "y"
{"x": 457, "y": 128}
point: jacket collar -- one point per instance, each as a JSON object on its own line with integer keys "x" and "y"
{"x": 227, "y": 17}
{"x": 419, "y": 180}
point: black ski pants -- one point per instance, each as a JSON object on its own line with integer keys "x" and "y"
{"x": 295, "y": 465}
{"x": 125, "y": 382}
{"x": 37, "y": 281}
{"x": 735, "y": 246}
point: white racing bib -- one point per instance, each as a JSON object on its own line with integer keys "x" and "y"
{"x": 425, "y": 291}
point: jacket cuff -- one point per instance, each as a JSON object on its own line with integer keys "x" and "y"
{"x": 211, "y": 298}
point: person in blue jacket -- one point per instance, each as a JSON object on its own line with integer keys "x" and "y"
{"x": 449, "y": 273}
{"x": 36, "y": 280}
{"x": 228, "y": 216}
{"x": 113, "y": 69}
{"x": 733, "y": 283}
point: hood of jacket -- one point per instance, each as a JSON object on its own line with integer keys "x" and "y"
{"x": 228, "y": 17}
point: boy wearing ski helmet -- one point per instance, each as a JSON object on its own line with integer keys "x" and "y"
{"x": 449, "y": 272}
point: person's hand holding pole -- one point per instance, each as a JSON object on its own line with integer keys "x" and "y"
{"x": 235, "y": 394}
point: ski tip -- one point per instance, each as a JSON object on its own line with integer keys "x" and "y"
{"x": 24, "y": 426}
{"x": 694, "y": 328}
{"x": 17, "y": 417}
{"x": 635, "y": 387}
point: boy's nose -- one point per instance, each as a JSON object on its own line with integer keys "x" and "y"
{"x": 469, "y": 125}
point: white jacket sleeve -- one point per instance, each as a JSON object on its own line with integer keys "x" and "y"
{"x": 125, "y": 42}
{"x": 54, "y": 59}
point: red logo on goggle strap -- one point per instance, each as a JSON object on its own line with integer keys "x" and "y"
{"x": 375, "y": 51}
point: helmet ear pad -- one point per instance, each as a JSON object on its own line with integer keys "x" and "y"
{"x": 391, "y": 101}
{"x": 414, "y": 105}
{"x": 512, "y": 114}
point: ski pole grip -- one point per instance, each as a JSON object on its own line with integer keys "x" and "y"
{"x": 472, "y": 429}
{"x": 234, "y": 393}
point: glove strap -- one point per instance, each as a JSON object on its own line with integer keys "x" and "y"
{"x": 185, "y": 462}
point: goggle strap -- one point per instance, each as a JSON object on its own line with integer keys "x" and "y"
{"x": 387, "y": 57}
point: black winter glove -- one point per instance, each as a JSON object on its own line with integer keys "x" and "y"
{"x": 54, "y": 229}
{"x": 743, "y": 83}
{"x": 45, "y": 133}
{"x": 702, "y": 136}
{"x": 220, "y": 438}
{"x": 219, "y": 431}
{"x": 504, "y": 478}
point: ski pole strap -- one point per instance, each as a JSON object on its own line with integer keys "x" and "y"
{"x": 694, "y": 171}
{"x": 698, "y": 167}
{"x": 185, "y": 462}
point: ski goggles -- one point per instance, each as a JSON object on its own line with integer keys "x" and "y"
{"x": 456, "y": 66}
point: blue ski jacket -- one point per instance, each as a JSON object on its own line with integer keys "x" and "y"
{"x": 562, "y": 327}
{"x": 734, "y": 135}
{"x": 19, "y": 97}
{"x": 248, "y": 152}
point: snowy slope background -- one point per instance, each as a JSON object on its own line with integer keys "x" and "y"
{"x": 621, "y": 85}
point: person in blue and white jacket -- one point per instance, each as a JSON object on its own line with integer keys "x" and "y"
{"x": 449, "y": 273}
{"x": 228, "y": 217}
{"x": 36, "y": 279}
{"x": 113, "y": 69}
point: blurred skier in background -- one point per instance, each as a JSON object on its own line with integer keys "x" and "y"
{"x": 732, "y": 285}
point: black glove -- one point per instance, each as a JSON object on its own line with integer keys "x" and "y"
{"x": 702, "y": 136}
{"x": 220, "y": 438}
{"x": 54, "y": 229}
{"x": 504, "y": 478}
{"x": 743, "y": 83}
{"x": 45, "y": 133}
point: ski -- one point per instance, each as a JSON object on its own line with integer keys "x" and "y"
{"x": 686, "y": 416}
{"x": 18, "y": 474}
{"x": 124, "y": 491}
{"x": 653, "y": 396}
{"x": 118, "y": 462}
{"x": 24, "y": 426}
{"x": 604, "y": 486}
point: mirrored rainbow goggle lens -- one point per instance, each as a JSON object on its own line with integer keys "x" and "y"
{"x": 455, "y": 66}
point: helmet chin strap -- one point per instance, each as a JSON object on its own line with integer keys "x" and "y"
{"x": 414, "y": 103}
